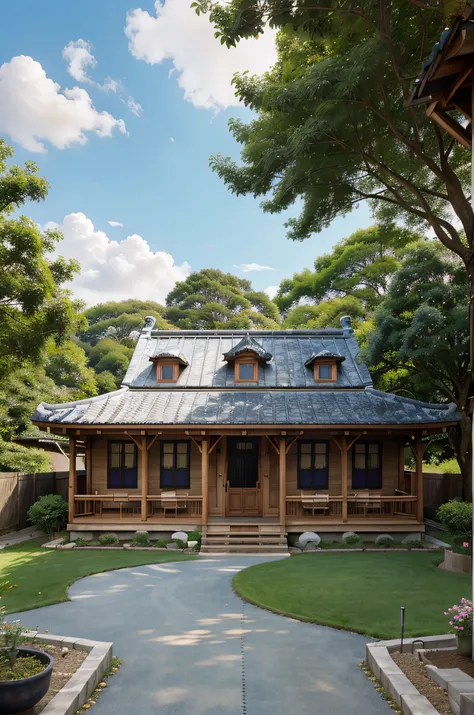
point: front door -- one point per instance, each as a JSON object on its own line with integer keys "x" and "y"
{"x": 243, "y": 494}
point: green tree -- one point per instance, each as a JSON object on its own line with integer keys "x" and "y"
{"x": 16, "y": 458}
{"x": 121, "y": 320}
{"x": 359, "y": 266}
{"x": 105, "y": 382}
{"x": 67, "y": 366}
{"x": 326, "y": 314}
{"x": 110, "y": 356}
{"x": 34, "y": 306}
{"x": 211, "y": 299}
{"x": 421, "y": 328}
{"x": 333, "y": 127}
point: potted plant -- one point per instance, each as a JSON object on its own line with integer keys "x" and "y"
{"x": 25, "y": 673}
{"x": 461, "y": 623}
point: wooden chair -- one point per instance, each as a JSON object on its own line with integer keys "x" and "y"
{"x": 368, "y": 501}
{"x": 315, "y": 502}
{"x": 170, "y": 501}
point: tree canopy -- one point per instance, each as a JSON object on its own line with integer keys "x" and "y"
{"x": 333, "y": 126}
{"x": 121, "y": 320}
{"x": 211, "y": 299}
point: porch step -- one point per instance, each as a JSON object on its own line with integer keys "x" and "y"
{"x": 244, "y": 548}
{"x": 226, "y": 539}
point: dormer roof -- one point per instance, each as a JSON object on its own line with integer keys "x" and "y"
{"x": 248, "y": 345}
{"x": 169, "y": 355}
{"x": 324, "y": 355}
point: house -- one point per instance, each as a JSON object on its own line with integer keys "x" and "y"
{"x": 247, "y": 436}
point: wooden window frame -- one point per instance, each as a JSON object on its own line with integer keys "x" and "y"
{"x": 367, "y": 442}
{"x": 313, "y": 442}
{"x": 122, "y": 463}
{"x": 167, "y": 363}
{"x": 246, "y": 361}
{"x": 175, "y": 443}
{"x": 331, "y": 363}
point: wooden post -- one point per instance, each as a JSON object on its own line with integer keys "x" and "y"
{"x": 344, "y": 476}
{"x": 88, "y": 465}
{"x": 205, "y": 480}
{"x": 72, "y": 478}
{"x": 144, "y": 472}
{"x": 401, "y": 468}
{"x": 283, "y": 481}
{"x": 419, "y": 477}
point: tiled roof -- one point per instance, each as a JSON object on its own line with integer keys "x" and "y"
{"x": 324, "y": 354}
{"x": 246, "y": 407}
{"x": 247, "y": 344}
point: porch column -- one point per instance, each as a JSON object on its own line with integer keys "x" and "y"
{"x": 283, "y": 481}
{"x": 419, "y": 476}
{"x": 144, "y": 473}
{"x": 205, "y": 480}
{"x": 88, "y": 466}
{"x": 72, "y": 477}
{"x": 344, "y": 477}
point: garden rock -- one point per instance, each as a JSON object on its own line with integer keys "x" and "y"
{"x": 172, "y": 546}
{"x": 306, "y": 537}
{"x": 180, "y": 535}
{"x": 192, "y": 544}
{"x": 311, "y": 546}
{"x": 383, "y": 537}
{"x": 71, "y": 545}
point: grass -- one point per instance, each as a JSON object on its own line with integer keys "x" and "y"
{"x": 360, "y": 592}
{"x": 42, "y": 576}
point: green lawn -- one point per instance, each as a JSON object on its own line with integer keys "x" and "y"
{"x": 43, "y": 575}
{"x": 360, "y": 592}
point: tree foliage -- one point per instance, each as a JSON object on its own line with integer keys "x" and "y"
{"x": 333, "y": 126}
{"x": 211, "y": 299}
{"x": 121, "y": 320}
{"x": 421, "y": 328}
{"x": 16, "y": 458}
{"x": 34, "y": 306}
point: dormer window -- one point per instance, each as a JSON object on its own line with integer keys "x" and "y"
{"x": 325, "y": 365}
{"x": 247, "y": 355}
{"x": 168, "y": 366}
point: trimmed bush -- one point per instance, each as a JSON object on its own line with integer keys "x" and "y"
{"x": 160, "y": 543}
{"x": 108, "y": 539}
{"x": 195, "y": 536}
{"x": 385, "y": 541}
{"x": 350, "y": 538}
{"x": 180, "y": 544}
{"x": 141, "y": 538}
{"x": 456, "y": 516}
{"x": 412, "y": 544}
{"x": 49, "y": 514}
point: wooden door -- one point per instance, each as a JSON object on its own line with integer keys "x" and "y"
{"x": 243, "y": 492}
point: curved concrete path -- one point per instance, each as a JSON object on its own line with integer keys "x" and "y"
{"x": 191, "y": 647}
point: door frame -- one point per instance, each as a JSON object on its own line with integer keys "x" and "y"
{"x": 258, "y": 441}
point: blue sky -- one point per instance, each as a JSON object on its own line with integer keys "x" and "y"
{"x": 150, "y": 170}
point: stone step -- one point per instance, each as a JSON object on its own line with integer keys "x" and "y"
{"x": 244, "y": 548}
{"x": 244, "y": 540}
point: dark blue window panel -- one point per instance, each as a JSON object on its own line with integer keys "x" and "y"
{"x": 367, "y": 465}
{"x": 176, "y": 474}
{"x": 122, "y": 472}
{"x": 313, "y": 465}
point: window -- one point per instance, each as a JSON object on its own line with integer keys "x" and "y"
{"x": 174, "y": 473}
{"x": 367, "y": 465}
{"x": 313, "y": 465}
{"x": 325, "y": 372}
{"x": 246, "y": 370}
{"x": 122, "y": 465}
{"x": 167, "y": 372}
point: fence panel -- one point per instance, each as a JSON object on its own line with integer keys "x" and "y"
{"x": 440, "y": 488}
{"x": 8, "y": 501}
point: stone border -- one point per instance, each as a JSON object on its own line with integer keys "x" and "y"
{"x": 395, "y": 682}
{"x": 82, "y": 684}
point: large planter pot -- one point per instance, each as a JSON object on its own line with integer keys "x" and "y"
{"x": 464, "y": 644}
{"x": 459, "y": 563}
{"x": 19, "y": 695}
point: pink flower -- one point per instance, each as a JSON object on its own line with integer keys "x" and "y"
{"x": 461, "y": 628}
{"x": 466, "y": 545}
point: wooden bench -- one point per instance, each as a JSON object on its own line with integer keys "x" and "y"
{"x": 315, "y": 502}
{"x": 170, "y": 501}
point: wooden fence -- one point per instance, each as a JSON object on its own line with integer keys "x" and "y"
{"x": 438, "y": 489}
{"x": 19, "y": 491}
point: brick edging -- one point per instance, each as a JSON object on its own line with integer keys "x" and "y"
{"x": 83, "y": 682}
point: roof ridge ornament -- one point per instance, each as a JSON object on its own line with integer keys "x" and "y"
{"x": 150, "y": 322}
{"x": 346, "y": 325}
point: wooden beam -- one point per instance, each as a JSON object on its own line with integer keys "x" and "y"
{"x": 275, "y": 447}
{"x": 138, "y": 442}
{"x": 451, "y": 127}
{"x": 419, "y": 450}
{"x": 344, "y": 476}
{"x": 72, "y": 489}
{"x": 214, "y": 444}
{"x": 290, "y": 444}
{"x": 196, "y": 443}
{"x": 144, "y": 472}
{"x": 282, "y": 453}
{"x": 205, "y": 480}
{"x": 401, "y": 468}
{"x": 150, "y": 444}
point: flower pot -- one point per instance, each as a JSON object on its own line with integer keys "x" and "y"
{"x": 464, "y": 644}
{"x": 19, "y": 695}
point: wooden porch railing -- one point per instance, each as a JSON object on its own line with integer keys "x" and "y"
{"x": 367, "y": 505}
{"x": 130, "y": 505}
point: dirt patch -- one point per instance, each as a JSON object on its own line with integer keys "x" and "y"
{"x": 415, "y": 671}
{"x": 64, "y": 668}
{"x": 451, "y": 659}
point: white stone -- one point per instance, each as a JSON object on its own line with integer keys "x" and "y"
{"x": 384, "y": 536}
{"x": 192, "y": 544}
{"x": 311, "y": 546}
{"x": 71, "y": 545}
{"x": 306, "y": 537}
{"x": 181, "y": 535}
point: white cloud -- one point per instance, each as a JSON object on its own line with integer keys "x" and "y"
{"x": 204, "y": 67}
{"x": 116, "y": 270}
{"x": 115, "y": 224}
{"x": 247, "y": 267}
{"x": 172, "y": 140}
{"x": 79, "y": 56}
{"x": 111, "y": 85}
{"x": 134, "y": 107}
{"x": 34, "y": 108}
{"x": 271, "y": 291}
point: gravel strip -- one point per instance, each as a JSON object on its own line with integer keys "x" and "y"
{"x": 416, "y": 673}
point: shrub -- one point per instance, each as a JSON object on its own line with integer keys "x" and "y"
{"x": 195, "y": 536}
{"x": 141, "y": 538}
{"x": 385, "y": 541}
{"x": 80, "y": 542}
{"x": 456, "y": 516}
{"x": 108, "y": 539}
{"x": 293, "y": 539}
{"x": 16, "y": 458}
{"x": 463, "y": 545}
{"x": 350, "y": 538}
{"x": 412, "y": 544}
{"x": 160, "y": 543}
{"x": 461, "y": 617}
{"x": 180, "y": 544}
{"x": 49, "y": 513}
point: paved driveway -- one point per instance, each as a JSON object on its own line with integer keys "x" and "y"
{"x": 191, "y": 647}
